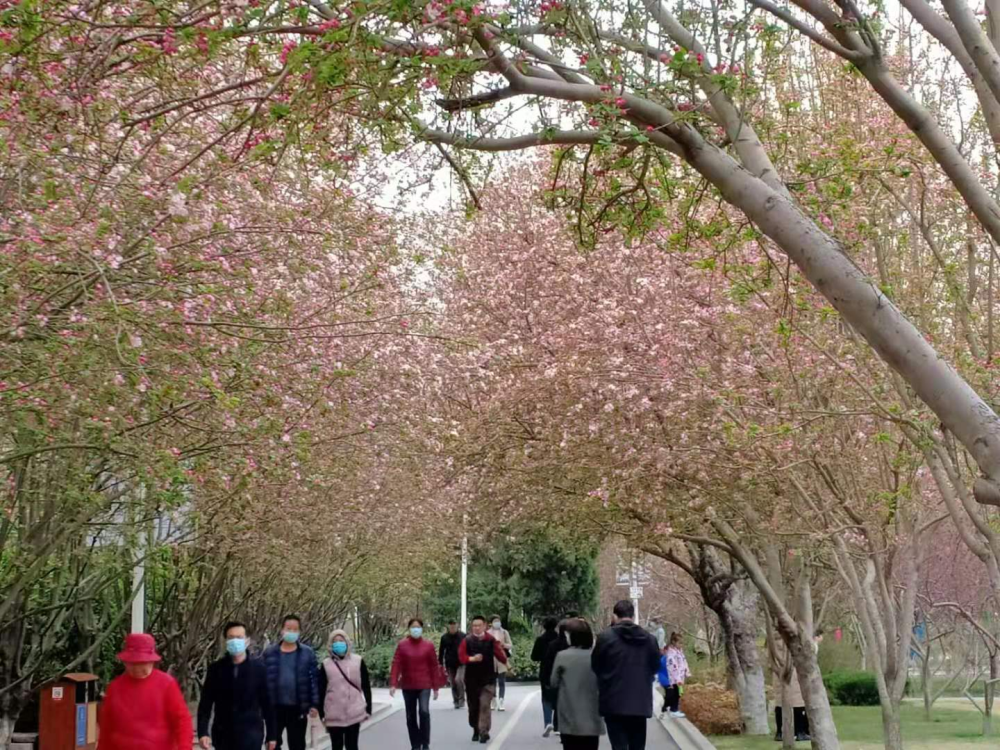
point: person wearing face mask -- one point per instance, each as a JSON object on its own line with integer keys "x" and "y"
{"x": 291, "y": 683}
{"x": 347, "y": 693}
{"x": 480, "y": 652}
{"x": 498, "y": 631}
{"x": 235, "y": 691}
{"x": 415, "y": 669}
{"x": 143, "y": 709}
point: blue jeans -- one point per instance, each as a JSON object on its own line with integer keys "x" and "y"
{"x": 418, "y": 705}
{"x": 546, "y": 710}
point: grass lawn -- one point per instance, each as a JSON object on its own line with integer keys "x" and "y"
{"x": 861, "y": 729}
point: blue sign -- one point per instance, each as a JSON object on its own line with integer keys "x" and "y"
{"x": 81, "y": 725}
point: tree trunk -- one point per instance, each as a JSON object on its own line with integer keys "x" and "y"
{"x": 892, "y": 730}
{"x": 821, "y": 725}
{"x": 787, "y": 719}
{"x": 6, "y": 730}
{"x": 738, "y": 618}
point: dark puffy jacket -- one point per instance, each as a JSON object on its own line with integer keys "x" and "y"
{"x": 626, "y": 659}
{"x": 306, "y": 684}
{"x": 238, "y": 698}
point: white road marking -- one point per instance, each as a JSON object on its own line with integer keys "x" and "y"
{"x": 508, "y": 727}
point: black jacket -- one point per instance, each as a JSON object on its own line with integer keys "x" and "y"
{"x": 238, "y": 694}
{"x": 625, "y": 659}
{"x": 549, "y": 660}
{"x": 448, "y": 651}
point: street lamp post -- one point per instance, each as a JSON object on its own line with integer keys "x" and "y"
{"x": 465, "y": 575}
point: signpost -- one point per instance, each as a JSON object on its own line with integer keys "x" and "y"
{"x": 634, "y": 575}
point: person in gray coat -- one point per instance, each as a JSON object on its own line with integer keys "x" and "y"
{"x": 580, "y": 723}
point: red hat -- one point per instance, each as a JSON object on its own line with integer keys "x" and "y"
{"x": 139, "y": 647}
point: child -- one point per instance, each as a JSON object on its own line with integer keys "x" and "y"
{"x": 677, "y": 671}
{"x": 663, "y": 678}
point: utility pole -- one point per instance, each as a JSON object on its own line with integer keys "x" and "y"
{"x": 465, "y": 574}
{"x": 139, "y": 569}
{"x": 635, "y": 592}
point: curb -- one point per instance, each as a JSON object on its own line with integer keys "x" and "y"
{"x": 682, "y": 732}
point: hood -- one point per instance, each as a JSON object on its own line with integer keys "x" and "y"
{"x": 630, "y": 632}
{"x": 343, "y": 634}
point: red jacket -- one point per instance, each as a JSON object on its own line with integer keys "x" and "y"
{"x": 415, "y": 666}
{"x": 147, "y": 714}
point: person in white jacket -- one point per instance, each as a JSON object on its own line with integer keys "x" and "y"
{"x": 498, "y": 631}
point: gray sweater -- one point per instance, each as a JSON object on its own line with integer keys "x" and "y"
{"x": 577, "y": 701}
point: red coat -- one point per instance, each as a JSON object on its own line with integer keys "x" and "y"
{"x": 415, "y": 666}
{"x": 147, "y": 714}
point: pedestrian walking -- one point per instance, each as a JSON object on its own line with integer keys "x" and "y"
{"x": 144, "y": 708}
{"x": 579, "y": 718}
{"x": 291, "y": 683}
{"x": 795, "y": 700}
{"x": 545, "y": 673}
{"x": 346, "y": 692}
{"x": 661, "y": 634}
{"x": 480, "y": 652}
{"x": 498, "y": 631}
{"x": 538, "y": 653}
{"x": 235, "y": 699}
{"x": 448, "y": 659}
{"x": 663, "y": 679}
{"x": 625, "y": 660}
{"x": 678, "y": 671}
{"x": 415, "y": 669}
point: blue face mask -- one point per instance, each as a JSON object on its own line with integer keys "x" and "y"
{"x": 416, "y": 632}
{"x": 339, "y": 648}
{"x": 236, "y": 646}
{"x": 290, "y": 636}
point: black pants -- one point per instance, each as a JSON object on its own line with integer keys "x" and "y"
{"x": 672, "y": 698}
{"x": 249, "y": 739}
{"x": 580, "y": 742}
{"x": 418, "y": 717}
{"x": 292, "y": 719}
{"x": 626, "y": 732}
{"x": 344, "y": 738}
{"x": 800, "y": 721}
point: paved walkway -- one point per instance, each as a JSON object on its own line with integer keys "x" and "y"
{"x": 518, "y": 728}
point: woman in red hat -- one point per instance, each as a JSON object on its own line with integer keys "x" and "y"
{"x": 144, "y": 709}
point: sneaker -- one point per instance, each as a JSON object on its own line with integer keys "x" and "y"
{"x": 500, "y": 705}
{"x": 475, "y": 736}
{"x": 548, "y": 730}
{"x": 803, "y": 738}
{"x": 678, "y": 714}
{"x": 484, "y": 738}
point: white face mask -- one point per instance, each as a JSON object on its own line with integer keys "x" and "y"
{"x": 496, "y": 624}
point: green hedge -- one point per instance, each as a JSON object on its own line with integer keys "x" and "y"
{"x": 525, "y": 670}
{"x": 851, "y": 688}
{"x": 379, "y": 661}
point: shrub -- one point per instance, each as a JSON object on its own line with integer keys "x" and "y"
{"x": 712, "y": 708}
{"x": 851, "y": 688}
{"x": 379, "y": 661}
{"x": 523, "y": 668}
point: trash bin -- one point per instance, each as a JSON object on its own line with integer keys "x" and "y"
{"x": 68, "y": 713}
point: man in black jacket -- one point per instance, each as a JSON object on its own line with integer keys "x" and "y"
{"x": 625, "y": 660}
{"x": 448, "y": 658}
{"x": 538, "y": 654}
{"x": 236, "y": 688}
